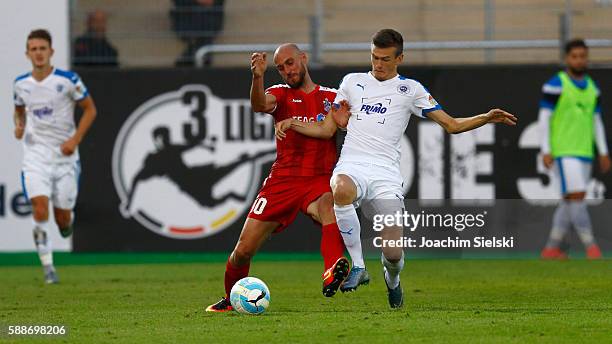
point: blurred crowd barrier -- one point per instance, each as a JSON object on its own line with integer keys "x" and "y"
{"x": 155, "y": 33}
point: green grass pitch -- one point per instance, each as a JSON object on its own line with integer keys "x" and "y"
{"x": 446, "y": 301}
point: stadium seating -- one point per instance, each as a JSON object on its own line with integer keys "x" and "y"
{"x": 142, "y": 32}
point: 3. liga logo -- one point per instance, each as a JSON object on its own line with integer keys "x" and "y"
{"x": 187, "y": 164}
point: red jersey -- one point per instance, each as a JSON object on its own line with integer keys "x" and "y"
{"x": 297, "y": 154}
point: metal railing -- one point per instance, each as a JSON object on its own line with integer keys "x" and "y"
{"x": 440, "y": 31}
{"x": 204, "y": 51}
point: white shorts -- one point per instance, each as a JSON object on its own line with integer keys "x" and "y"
{"x": 374, "y": 183}
{"x": 59, "y": 182}
{"x": 573, "y": 174}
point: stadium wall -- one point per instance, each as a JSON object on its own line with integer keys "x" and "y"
{"x": 19, "y": 18}
{"x": 193, "y": 194}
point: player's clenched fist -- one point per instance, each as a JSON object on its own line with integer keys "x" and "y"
{"x": 69, "y": 146}
{"x": 258, "y": 64}
{"x": 548, "y": 160}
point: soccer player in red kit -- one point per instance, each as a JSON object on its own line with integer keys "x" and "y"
{"x": 299, "y": 179}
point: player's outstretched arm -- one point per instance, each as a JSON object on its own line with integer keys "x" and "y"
{"x": 89, "y": 115}
{"x": 260, "y": 101}
{"x": 322, "y": 130}
{"x": 460, "y": 125}
{"x": 20, "y": 121}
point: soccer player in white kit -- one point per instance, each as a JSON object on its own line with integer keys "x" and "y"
{"x": 44, "y": 120}
{"x": 381, "y": 104}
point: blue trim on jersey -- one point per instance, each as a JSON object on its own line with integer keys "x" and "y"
{"x": 401, "y": 77}
{"x": 426, "y": 111}
{"x": 23, "y": 187}
{"x": 72, "y": 76}
{"x": 16, "y": 100}
{"x": 546, "y": 104}
{"x": 562, "y": 175}
{"x": 581, "y": 158}
{"x": 23, "y": 76}
{"x": 581, "y": 84}
{"x": 77, "y": 168}
{"x": 84, "y": 96}
{"x": 549, "y": 100}
{"x": 555, "y": 81}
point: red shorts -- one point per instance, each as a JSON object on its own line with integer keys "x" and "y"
{"x": 280, "y": 198}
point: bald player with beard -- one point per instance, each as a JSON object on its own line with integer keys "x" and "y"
{"x": 299, "y": 178}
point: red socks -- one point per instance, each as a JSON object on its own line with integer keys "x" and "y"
{"x": 233, "y": 275}
{"x": 332, "y": 246}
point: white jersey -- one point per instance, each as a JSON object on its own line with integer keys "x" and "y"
{"x": 49, "y": 114}
{"x": 380, "y": 112}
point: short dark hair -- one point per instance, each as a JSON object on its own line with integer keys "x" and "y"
{"x": 40, "y": 34}
{"x": 387, "y": 38}
{"x": 575, "y": 43}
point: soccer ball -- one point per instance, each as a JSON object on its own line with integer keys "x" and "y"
{"x": 250, "y": 295}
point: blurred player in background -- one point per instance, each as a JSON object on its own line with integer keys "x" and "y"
{"x": 44, "y": 120}
{"x": 299, "y": 179}
{"x": 570, "y": 120}
{"x": 381, "y": 104}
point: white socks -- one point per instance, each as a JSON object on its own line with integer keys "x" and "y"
{"x": 582, "y": 222}
{"x": 348, "y": 223}
{"x": 560, "y": 226}
{"x": 392, "y": 270}
{"x": 43, "y": 243}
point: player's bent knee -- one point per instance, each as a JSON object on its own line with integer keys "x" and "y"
{"x": 575, "y": 196}
{"x": 392, "y": 254}
{"x": 40, "y": 212}
{"x": 40, "y": 208}
{"x": 242, "y": 255}
{"x": 326, "y": 201}
{"x": 63, "y": 217}
{"x": 63, "y": 221}
{"x": 344, "y": 190}
{"x": 325, "y": 207}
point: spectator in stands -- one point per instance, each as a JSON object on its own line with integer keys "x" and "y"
{"x": 93, "y": 49}
{"x": 197, "y": 22}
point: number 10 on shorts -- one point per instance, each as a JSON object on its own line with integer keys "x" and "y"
{"x": 259, "y": 205}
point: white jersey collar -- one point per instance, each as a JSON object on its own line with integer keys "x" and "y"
{"x": 45, "y": 79}
{"x": 388, "y": 81}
